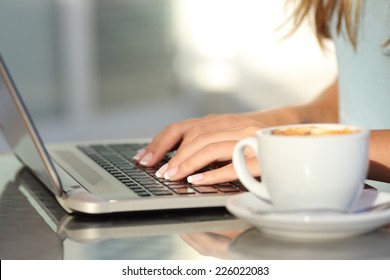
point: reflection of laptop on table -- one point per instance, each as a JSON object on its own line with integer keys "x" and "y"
{"x": 96, "y": 177}
{"x": 89, "y": 228}
{"x": 34, "y": 226}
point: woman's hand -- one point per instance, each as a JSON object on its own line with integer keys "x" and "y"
{"x": 210, "y": 140}
{"x": 206, "y": 141}
{"x": 208, "y": 148}
{"x": 199, "y": 143}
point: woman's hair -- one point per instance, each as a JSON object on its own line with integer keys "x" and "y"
{"x": 321, "y": 12}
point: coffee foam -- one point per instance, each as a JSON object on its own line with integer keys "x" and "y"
{"x": 312, "y": 131}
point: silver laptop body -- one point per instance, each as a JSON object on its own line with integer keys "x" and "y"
{"x": 39, "y": 216}
{"x": 79, "y": 178}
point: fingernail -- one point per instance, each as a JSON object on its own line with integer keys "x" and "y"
{"x": 161, "y": 171}
{"x": 170, "y": 173}
{"x": 139, "y": 154}
{"x": 145, "y": 160}
{"x": 195, "y": 178}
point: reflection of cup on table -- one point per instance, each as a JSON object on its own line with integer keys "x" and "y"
{"x": 252, "y": 244}
{"x": 307, "y": 167}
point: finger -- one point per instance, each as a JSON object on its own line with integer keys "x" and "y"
{"x": 214, "y": 124}
{"x": 172, "y": 137}
{"x": 181, "y": 130}
{"x": 223, "y": 174}
{"x": 187, "y": 151}
{"x": 215, "y": 152}
{"x": 164, "y": 142}
{"x": 220, "y": 151}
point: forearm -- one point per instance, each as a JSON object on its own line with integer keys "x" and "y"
{"x": 325, "y": 108}
{"x": 379, "y": 156}
{"x": 321, "y": 110}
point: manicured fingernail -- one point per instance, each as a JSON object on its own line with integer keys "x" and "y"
{"x": 139, "y": 154}
{"x": 195, "y": 178}
{"x": 145, "y": 160}
{"x": 170, "y": 173}
{"x": 162, "y": 170}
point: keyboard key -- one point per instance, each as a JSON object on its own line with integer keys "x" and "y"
{"x": 117, "y": 160}
{"x": 162, "y": 192}
{"x": 183, "y": 191}
{"x": 205, "y": 189}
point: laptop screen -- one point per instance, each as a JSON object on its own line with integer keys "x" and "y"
{"x": 20, "y": 133}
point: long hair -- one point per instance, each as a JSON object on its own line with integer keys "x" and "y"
{"x": 348, "y": 12}
{"x": 321, "y": 12}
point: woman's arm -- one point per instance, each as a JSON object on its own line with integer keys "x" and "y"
{"x": 379, "y": 168}
{"x": 325, "y": 108}
{"x": 211, "y": 139}
{"x": 380, "y": 156}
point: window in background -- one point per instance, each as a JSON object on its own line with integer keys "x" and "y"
{"x": 28, "y": 31}
{"x": 126, "y": 68}
{"x": 134, "y": 52}
{"x": 238, "y": 48}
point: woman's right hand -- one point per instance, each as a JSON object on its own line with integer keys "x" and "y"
{"x": 208, "y": 140}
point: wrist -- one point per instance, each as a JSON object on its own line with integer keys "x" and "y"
{"x": 280, "y": 116}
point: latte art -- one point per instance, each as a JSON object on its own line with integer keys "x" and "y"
{"x": 312, "y": 131}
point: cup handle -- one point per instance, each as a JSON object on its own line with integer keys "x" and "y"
{"x": 242, "y": 170}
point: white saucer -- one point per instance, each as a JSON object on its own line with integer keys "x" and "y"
{"x": 303, "y": 226}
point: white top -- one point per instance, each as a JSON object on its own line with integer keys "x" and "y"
{"x": 364, "y": 73}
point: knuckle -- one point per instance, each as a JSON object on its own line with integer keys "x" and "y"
{"x": 194, "y": 131}
{"x": 212, "y": 148}
{"x": 201, "y": 140}
{"x": 173, "y": 127}
{"x": 186, "y": 167}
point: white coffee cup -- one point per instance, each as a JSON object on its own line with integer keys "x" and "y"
{"x": 307, "y": 167}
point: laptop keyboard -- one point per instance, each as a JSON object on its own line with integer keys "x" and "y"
{"x": 117, "y": 160}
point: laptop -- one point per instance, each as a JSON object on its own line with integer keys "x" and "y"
{"x": 42, "y": 219}
{"x": 97, "y": 177}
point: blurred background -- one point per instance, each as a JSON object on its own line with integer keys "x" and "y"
{"x": 102, "y": 69}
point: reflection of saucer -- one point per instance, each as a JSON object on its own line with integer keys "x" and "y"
{"x": 252, "y": 244}
{"x": 302, "y": 226}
